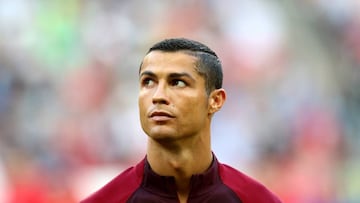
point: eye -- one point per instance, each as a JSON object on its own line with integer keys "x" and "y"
{"x": 147, "y": 82}
{"x": 178, "y": 83}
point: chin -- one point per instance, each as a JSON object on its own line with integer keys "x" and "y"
{"x": 162, "y": 135}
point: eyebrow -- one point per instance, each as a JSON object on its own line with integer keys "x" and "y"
{"x": 171, "y": 75}
{"x": 181, "y": 75}
{"x": 149, "y": 73}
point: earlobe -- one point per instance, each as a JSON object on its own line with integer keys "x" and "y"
{"x": 217, "y": 99}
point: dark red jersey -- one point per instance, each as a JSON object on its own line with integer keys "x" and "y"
{"x": 220, "y": 183}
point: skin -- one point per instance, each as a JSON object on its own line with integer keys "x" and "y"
{"x": 175, "y": 113}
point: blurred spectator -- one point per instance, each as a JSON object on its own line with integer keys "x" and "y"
{"x": 83, "y": 128}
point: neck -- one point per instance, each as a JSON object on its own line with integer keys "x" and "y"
{"x": 180, "y": 160}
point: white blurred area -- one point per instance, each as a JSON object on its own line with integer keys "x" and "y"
{"x": 69, "y": 82}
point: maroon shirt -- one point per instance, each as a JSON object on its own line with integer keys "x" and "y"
{"x": 220, "y": 183}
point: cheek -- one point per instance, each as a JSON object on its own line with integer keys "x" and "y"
{"x": 142, "y": 105}
{"x": 195, "y": 107}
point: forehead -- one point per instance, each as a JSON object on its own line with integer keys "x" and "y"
{"x": 169, "y": 61}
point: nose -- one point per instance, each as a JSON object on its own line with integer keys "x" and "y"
{"x": 160, "y": 95}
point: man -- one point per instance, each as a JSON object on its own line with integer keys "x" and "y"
{"x": 180, "y": 90}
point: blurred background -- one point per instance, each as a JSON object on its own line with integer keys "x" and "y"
{"x": 69, "y": 81}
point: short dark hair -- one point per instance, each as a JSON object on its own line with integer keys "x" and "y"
{"x": 208, "y": 64}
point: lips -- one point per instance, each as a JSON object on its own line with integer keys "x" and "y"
{"x": 160, "y": 115}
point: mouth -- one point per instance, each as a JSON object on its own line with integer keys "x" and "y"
{"x": 160, "y": 116}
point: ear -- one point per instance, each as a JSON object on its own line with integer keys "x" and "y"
{"x": 216, "y": 100}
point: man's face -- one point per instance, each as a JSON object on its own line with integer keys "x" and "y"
{"x": 173, "y": 103}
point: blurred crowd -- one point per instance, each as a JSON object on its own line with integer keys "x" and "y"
{"x": 69, "y": 81}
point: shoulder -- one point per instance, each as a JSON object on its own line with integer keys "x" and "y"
{"x": 120, "y": 188}
{"x": 246, "y": 188}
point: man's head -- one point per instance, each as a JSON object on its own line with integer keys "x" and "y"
{"x": 208, "y": 64}
{"x": 180, "y": 89}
